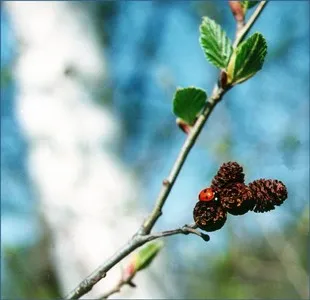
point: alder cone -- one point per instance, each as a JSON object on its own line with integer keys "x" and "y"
{"x": 267, "y": 193}
{"x": 237, "y": 199}
{"x": 209, "y": 216}
{"x": 228, "y": 173}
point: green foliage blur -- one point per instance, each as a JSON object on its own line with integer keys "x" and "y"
{"x": 271, "y": 266}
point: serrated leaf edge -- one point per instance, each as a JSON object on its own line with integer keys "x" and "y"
{"x": 220, "y": 35}
{"x": 243, "y": 44}
{"x": 232, "y": 74}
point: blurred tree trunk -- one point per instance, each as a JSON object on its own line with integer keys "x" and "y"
{"x": 86, "y": 196}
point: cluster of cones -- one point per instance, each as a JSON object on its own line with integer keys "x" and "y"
{"x": 229, "y": 194}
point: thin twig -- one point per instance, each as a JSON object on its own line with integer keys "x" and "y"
{"x": 143, "y": 235}
{"x": 118, "y": 287}
{"x": 87, "y": 284}
{"x": 186, "y": 229}
{"x": 246, "y": 28}
{"x": 136, "y": 241}
{"x": 114, "y": 290}
{"x": 187, "y": 146}
{"x": 238, "y": 13}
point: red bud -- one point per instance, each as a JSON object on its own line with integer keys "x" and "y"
{"x": 237, "y": 10}
{"x": 130, "y": 270}
{"x": 223, "y": 79}
{"x": 183, "y": 126}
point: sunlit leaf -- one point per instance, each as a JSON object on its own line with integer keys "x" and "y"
{"x": 215, "y": 43}
{"x": 247, "y": 59}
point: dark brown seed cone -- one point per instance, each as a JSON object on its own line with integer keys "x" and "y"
{"x": 267, "y": 193}
{"x": 236, "y": 198}
{"x": 230, "y": 172}
{"x": 209, "y": 215}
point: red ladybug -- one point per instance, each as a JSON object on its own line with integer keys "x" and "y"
{"x": 206, "y": 195}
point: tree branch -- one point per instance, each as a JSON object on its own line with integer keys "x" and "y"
{"x": 135, "y": 242}
{"x": 114, "y": 290}
{"x": 86, "y": 285}
{"x": 143, "y": 235}
{"x": 186, "y": 229}
{"x": 216, "y": 96}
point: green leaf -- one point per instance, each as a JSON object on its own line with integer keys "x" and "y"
{"x": 247, "y": 59}
{"x": 145, "y": 256}
{"x": 188, "y": 102}
{"x": 214, "y": 42}
{"x": 246, "y": 4}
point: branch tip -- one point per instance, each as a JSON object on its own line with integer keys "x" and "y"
{"x": 238, "y": 12}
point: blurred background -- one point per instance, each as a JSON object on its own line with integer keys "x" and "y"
{"x": 88, "y": 134}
